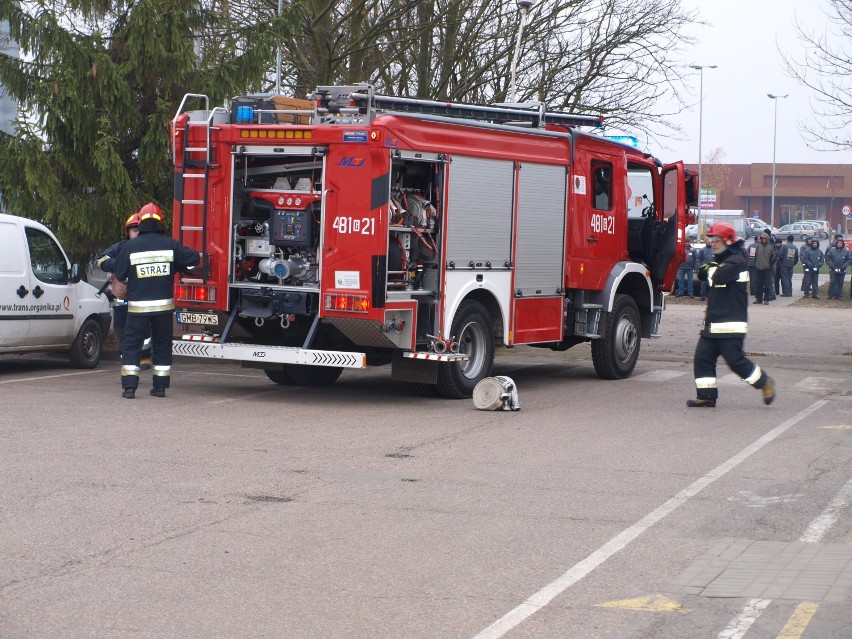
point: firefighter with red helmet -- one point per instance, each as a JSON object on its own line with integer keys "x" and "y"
{"x": 725, "y": 320}
{"x": 148, "y": 264}
{"x": 106, "y": 262}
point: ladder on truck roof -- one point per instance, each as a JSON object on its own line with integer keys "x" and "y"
{"x": 195, "y": 165}
{"x": 360, "y": 100}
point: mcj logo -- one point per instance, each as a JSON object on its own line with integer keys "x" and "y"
{"x": 353, "y": 163}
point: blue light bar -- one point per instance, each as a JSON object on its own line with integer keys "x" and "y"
{"x": 629, "y": 140}
{"x": 245, "y": 115}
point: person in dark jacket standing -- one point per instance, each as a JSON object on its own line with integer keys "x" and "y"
{"x": 788, "y": 257}
{"x": 837, "y": 258}
{"x": 803, "y": 252}
{"x": 148, "y": 264}
{"x": 725, "y": 321}
{"x": 812, "y": 262}
{"x": 705, "y": 256}
{"x": 764, "y": 257}
{"x": 106, "y": 262}
{"x": 776, "y": 268}
{"x": 685, "y": 272}
{"x": 751, "y": 252}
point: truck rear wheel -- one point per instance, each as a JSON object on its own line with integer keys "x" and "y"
{"x": 472, "y": 330}
{"x": 615, "y": 354}
{"x": 86, "y": 350}
{"x": 282, "y": 377}
{"x": 302, "y": 375}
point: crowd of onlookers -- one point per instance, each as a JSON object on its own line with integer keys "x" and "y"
{"x": 771, "y": 261}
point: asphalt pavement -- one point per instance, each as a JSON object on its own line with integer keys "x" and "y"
{"x": 792, "y": 331}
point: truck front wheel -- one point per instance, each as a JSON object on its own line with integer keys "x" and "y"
{"x": 472, "y": 330}
{"x": 615, "y": 353}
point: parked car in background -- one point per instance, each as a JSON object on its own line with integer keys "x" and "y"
{"x": 754, "y": 227}
{"x": 821, "y": 226}
{"x": 692, "y": 233}
{"x": 801, "y": 230}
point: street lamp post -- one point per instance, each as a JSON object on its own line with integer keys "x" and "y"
{"x": 775, "y": 99}
{"x": 700, "y": 68}
{"x": 524, "y": 6}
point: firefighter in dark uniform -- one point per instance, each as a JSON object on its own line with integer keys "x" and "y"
{"x": 148, "y": 264}
{"x": 106, "y": 262}
{"x": 725, "y": 320}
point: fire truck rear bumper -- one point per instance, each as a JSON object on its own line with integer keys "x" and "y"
{"x": 272, "y": 354}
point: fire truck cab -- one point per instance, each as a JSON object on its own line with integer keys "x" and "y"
{"x": 358, "y": 229}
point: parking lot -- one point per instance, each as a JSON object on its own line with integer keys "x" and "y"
{"x": 237, "y": 508}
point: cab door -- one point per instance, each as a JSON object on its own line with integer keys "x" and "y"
{"x": 14, "y": 286}
{"x": 52, "y": 297}
{"x": 597, "y": 236}
{"x": 671, "y": 241}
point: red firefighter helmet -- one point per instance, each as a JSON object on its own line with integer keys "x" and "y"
{"x": 725, "y": 231}
{"x": 133, "y": 220}
{"x": 151, "y": 211}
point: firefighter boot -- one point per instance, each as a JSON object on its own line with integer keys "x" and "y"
{"x": 701, "y": 403}
{"x": 768, "y": 390}
{"x": 129, "y": 393}
{"x": 158, "y": 392}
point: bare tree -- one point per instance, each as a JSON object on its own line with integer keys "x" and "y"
{"x": 826, "y": 70}
{"x": 617, "y": 58}
{"x": 714, "y": 174}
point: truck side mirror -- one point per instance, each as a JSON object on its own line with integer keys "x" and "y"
{"x": 76, "y": 276}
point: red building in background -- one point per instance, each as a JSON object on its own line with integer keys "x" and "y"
{"x": 802, "y": 191}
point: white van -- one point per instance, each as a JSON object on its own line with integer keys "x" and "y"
{"x": 43, "y": 304}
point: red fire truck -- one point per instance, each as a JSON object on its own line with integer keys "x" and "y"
{"x": 357, "y": 229}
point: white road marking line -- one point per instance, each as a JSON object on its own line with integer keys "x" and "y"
{"x": 660, "y": 375}
{"x": 814, "y": 534}
{"x": 819, "y": 383}
{"x": 819, "y": 526}
{"x": 742, "y": 622}
{"x": 37, "y": 379}
{"x": 539, "y": 600}
{"x": 241, "y": 398}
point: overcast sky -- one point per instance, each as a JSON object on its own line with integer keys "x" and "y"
{"x": 743, "y": 38}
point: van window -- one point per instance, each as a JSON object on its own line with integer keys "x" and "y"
{"x": 46, "y": 258}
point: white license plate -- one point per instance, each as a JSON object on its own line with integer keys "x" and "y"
{"x": 198, "y": 318}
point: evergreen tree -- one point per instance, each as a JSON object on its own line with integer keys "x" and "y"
{"x": 98, "y": 100}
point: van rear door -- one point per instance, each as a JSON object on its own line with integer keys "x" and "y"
{"x": 14, "y": 280}
{"x": 52, "y": 297}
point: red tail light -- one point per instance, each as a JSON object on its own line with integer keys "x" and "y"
{"x": 350, "y": 303}
{"x": 195, "y": 293}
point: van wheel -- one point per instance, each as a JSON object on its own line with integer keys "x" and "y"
{"x": 472, "y": 329}
{"x": 87, "y": 348}
{"x": 302, "y": 375}
{"x": 616, "y": 352}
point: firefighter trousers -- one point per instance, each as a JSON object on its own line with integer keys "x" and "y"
{"x": 137, "y": 329}
{"x": 707, "y": 353}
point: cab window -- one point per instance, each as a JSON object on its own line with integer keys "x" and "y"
{"x": 602, "y": 177}
{"x": 46, "y": 258}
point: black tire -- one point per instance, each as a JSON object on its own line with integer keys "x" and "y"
{"x": 615, "y": 354}
{"x": 475, "y": 335}
{"x": 87, "y": 348}
{"x": 280, "y": 377}
{"x": 302, "y": 375}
